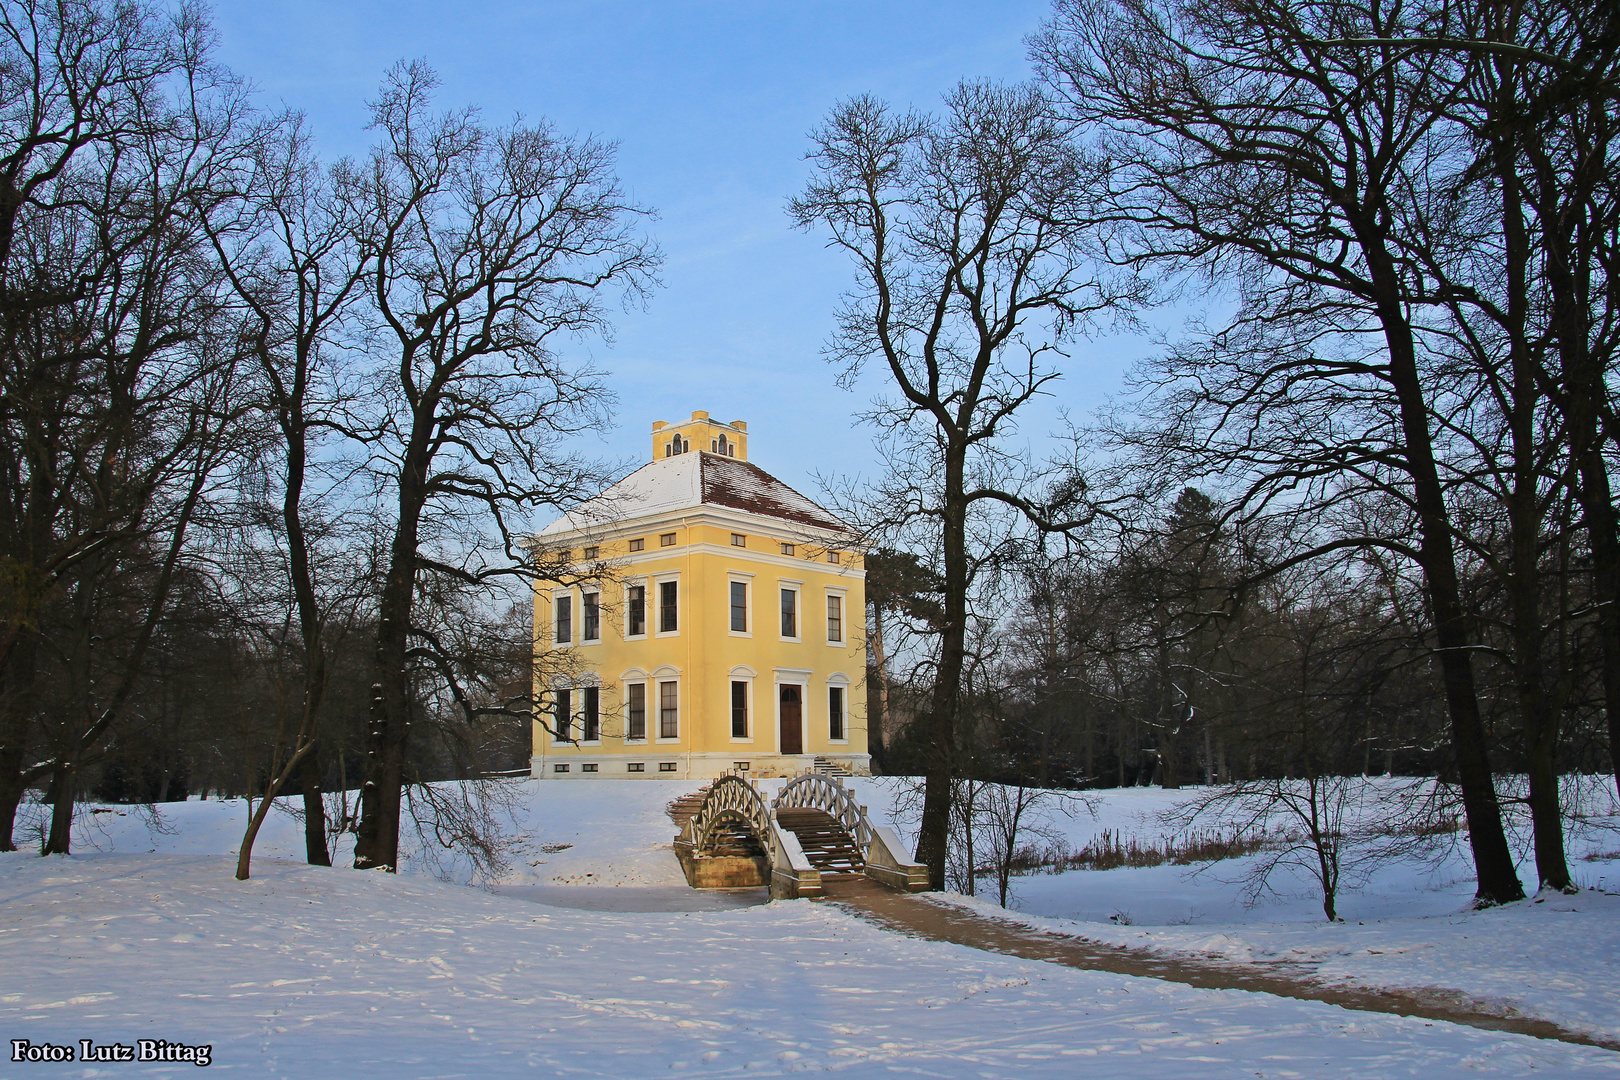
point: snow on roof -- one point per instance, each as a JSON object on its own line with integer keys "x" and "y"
{"x": 688, "y": 481}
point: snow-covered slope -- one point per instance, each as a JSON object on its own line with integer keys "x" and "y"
{"x": 307, "y": 972}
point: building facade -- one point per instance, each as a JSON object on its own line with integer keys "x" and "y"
{"x": 718, "y": 623}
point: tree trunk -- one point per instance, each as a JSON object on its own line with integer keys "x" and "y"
{"x": 310, "y": 775}
{"x": 64, "y": 789}
{"x": 1493, "y": 862}
{"x": 377, "y": 840}
{"x": 934, "y": 835}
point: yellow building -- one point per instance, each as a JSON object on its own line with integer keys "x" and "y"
{"x": 723, "y": 630}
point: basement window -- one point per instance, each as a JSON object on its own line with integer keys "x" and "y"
{"x": 636, "y": 766}
{"x": 666, "y": 766}
{"x": 559, "y": 768}
{"x": 740, "y": 766}
{"x": 589, "y": 766}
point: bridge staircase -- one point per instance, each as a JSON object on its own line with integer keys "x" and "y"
{"x": 812, "y": 833}
{"x": 824, "y": 841}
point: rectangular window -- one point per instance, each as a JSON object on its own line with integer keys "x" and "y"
{"x": 559, "y": 768}
{"x": 787, "y": 549}
{"x": 790, "y": 613}
{"x": 666, "y": 766}
{"x": 739, "y": 540}
{"x": 835, "y": 618}
{"x": 636, "y": 621}
{"x": 593, "y": 714}
{"x": 589, "y": 766}
{"x": 739, "y": 606}
{"x": 739, "y": 710}
{"x": 835, "y": 712}
{"x": 666, "y": 539}
{"x": 638, "y": 544}
{"x": 666, "y": 607}
{"x": 635, "y": 720}
{"x": 565, "y": 620}
{"x": 563, "y": 714}
{"x": 636, "y": 766}
{"x": 669, "y": 710}
{"x": 591, "y": 602}
{"x": 592, "y": 553}
{"x": 740, "y": 766}
{"x": 832, "y": 557}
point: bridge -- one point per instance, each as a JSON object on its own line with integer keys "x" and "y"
{"x": 812, "y": 834}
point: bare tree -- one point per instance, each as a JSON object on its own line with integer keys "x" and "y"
{"x": 1245, "y": 140}
{"x": 485, "y": 246}
{"x": 968, "y": 232}
{"x": 293, "y": 261}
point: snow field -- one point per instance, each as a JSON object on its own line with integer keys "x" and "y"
{"x": 314, "y": 972}
{"x": 306, "y": 971}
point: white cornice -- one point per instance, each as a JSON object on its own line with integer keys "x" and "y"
{"x": 780, "y": 530}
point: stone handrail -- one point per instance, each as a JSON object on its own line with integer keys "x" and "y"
{"x": 818, "y": 792}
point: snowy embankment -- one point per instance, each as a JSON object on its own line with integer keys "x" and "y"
{"x": 306, "y": 971}
{"x": 1408, "y": 922}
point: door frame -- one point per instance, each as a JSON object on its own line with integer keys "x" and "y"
{"x": 801, "y": 680}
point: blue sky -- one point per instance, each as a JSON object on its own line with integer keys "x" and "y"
{"x": 710, "y": 104}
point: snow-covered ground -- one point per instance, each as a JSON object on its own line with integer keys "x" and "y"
{"x": 306, "y": 971}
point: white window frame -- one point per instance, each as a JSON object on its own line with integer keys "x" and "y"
{"x": 558, "y": 594}
{"x": 586, "y": 682}
{"x": 796, "y": 586}
{"x": 629, "y": 584}
{"x": 744, "y": 674}
{"x": 635, "y": 676}
{"x": 655, "y": 616}
{"x": 746, "y": 580}
{"x": 840, "y": 680}
{"x": 583, "y": 640}
{"x": 660, "y": 676}
{"x": 843, "y": 615}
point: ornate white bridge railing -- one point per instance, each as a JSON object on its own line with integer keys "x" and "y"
{"x": 818, "y": 792}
